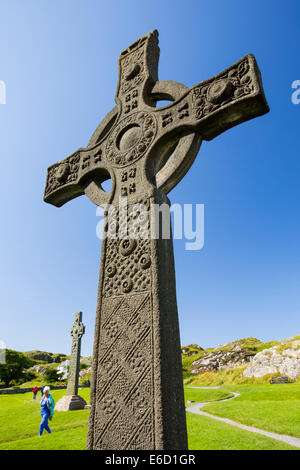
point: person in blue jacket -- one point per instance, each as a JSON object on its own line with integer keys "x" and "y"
{"x": 47, "y": 409}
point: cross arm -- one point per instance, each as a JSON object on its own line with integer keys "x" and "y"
{"x": 215, "y": 105}
{"x": 76, "y": 175}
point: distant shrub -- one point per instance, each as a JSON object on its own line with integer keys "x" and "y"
{"x": 86, "y": 382}
{"x": 28, "y": 376}
{"x": 12, "y": 370}
{"x": 52, "y": 375}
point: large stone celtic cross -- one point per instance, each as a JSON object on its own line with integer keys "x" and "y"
{"x": 137, "y": 391}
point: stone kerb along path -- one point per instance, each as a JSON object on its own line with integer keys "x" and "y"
{"x": 293, "y": 441}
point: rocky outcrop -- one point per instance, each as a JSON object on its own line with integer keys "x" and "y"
{"x": 191, "y": 350}
{"x": 45, "y": 356}
{"x": 39, "y": 369}
{"x": 249, "y": 344}
{"x": 59, "y": 358}
{"x": 63, "y": 369}
{"x": 191, "y": 353}
{"x": 276, "y": 360}
{"x": 40, "y": 356}
{"x": 84, "y": 373}
{"x": 220, "y": 360}
{"x": 195, "y": 346}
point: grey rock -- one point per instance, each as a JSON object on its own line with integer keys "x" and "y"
{"x": 39, "y": 369}
{"x": 63, "y": 369}
{"x": 273, "y": 361}
{"x": 191, "y": 353}
{"x": 83, "y": 373}
{"x": 221, "y": 360}
{"x": 279, "y": 380}
{"x": 41, "y": 356}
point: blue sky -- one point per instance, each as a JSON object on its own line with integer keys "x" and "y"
{"x": 59, "y": 62}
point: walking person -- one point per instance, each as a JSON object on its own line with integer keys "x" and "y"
{"x": 35, "y": 390}
{"x": 47, "y": 409}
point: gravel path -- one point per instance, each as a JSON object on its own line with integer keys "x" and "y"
{"x": 293, "y": 441}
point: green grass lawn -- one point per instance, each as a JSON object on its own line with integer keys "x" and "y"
{"x": 20, "y": 419}
{"x": 274, "y": 408}
{"x": 200, "y": 396}
{"x": 208, "y": 434}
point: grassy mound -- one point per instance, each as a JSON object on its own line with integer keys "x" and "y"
{"x": 232, "y": 375}
{"x": 226, "y": 377}
{"x": 274, "y": 408}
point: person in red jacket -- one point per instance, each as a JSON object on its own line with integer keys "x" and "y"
{"x": 35, "y": 390}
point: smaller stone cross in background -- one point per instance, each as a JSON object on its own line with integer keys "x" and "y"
{"x": 72, "y": 401}
{"x": 77, "y": 332}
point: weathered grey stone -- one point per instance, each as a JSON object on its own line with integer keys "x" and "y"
{"x": 83, "y": 373}
{"x": 221, "y": 360}
{"x": 274, "y": 361}
{"x": 137, "y": 356}
{"x": 38, "y": 368}
{"x": 41, "y": 356}
{"x": 195, "y": 346}
{"x": 279, "y": 380}
{"x": 77, "y": 332}
{"x": 45, "y": 356}
{"x": 70, "y": 403}
{"x": 63, "y": 369}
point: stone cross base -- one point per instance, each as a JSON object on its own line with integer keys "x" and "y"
{"x": 70, "y": 403}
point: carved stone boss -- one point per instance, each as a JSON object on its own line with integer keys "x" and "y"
{"x": 77, "y": 332}
{"x": 136, "y": 391}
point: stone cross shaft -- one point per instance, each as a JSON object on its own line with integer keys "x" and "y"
{"x": 137, "y": 390}
{"x": 77, "y": 332}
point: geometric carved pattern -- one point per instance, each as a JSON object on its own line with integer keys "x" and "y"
{"x": 128, "y": 271}
{"x": 215, "y": 93}
{"x": 144, "y": 126}
{"x": 132, "y": 68}
{"x": 137, "y": 301}
{"x": 63, "y": 172}
{"x": 124, "y": 412}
